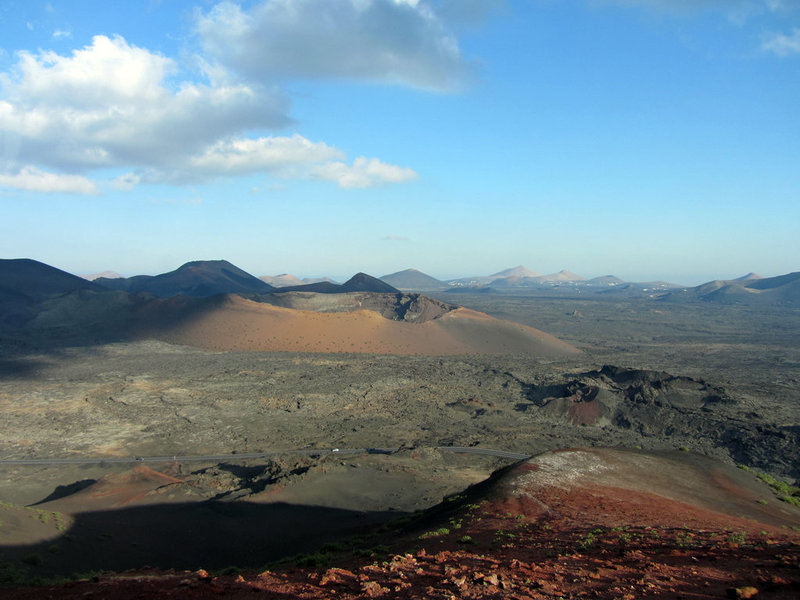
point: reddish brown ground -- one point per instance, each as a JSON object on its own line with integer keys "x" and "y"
{"x": 239, "y": 324}
{"x": 522, "y": 538}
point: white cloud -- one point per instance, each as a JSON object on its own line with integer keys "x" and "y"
{"x": 265, "y": 153}
{"x": 112, "y": 105}
{"x": 782, "y": 44}
{"x": 61, "y": 34}
{"x": 34, "y": 180}
{"x": 387, "y": 41}
{"x": 126, "y": 182}
{"x": 363, "y": 173}
{"x": 287, "y": 156}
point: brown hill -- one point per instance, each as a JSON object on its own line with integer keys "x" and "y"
{"x": 234, "y": 323}
{"x": 138, "y": 486}
{"x": 659, "y": 489}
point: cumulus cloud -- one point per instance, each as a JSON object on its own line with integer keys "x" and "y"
{"x": 288, "y": 156}
{"x": 34, "y": 180}
{"x": 782, "y": 44}
{"x": 109, "y": 105}
{"x": 126, "y": 182}
{"x": 363, "y": 173}
{"x": 113, "y": 105}
{"x": 388, "y": 41}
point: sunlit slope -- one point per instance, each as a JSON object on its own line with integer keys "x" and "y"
{"x": 234, "y": 323}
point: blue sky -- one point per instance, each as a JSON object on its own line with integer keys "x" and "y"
{"x": 649, "y": 139}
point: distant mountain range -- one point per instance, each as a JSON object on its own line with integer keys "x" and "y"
{"x": 360, "y": 282}
{"x": 203, "y": 278}
{"x": 521, "y": 279}
{"x": 105, "y": 274}
{"x": 287, "y": 280}
{"x": 212, "y": 277}
{"x": 217, "y": 306}
{"x": 199, "y": 278}
{"x": 749, "y": 289}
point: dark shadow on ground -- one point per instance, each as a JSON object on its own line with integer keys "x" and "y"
{"x": 62, "y": 491}
{"x": 209, "y": 535}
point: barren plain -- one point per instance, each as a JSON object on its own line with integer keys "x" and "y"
{"x": 719, "y": 381}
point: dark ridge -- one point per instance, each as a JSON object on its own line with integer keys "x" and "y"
{"x": 36, "y": 280}
{"x": 360, "y": 282}
{"x": 200, "y": 278}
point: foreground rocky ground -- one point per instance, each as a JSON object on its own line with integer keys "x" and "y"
{"x": 576, "y": 524}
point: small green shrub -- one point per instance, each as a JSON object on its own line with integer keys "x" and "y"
{"x": 434, "y": 533}
{"x": 318, "y": 559}
{"x": 738, "y": 537}
{"x": 782, "y": 490}
{"x": 685, "y": 540}
{"x": 587, "y": 541}
{"x": 466, "y": 539}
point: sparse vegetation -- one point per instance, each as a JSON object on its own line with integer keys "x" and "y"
{"x": 434, "y": 533}
{"x": 315, "y": 560}
{"x": 782, "y": 490}
{"x": 737, "y": 538}
{"x": 466, "y": 539}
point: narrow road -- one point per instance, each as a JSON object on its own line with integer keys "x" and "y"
{"x": 240, "y": 456}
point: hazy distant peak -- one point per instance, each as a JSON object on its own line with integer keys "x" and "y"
{"x": 608, "y": 279}
{"x": 749, "y": 277}
{"x": 282, "y": 280}
{"x": 519, "y": 271}
{"x": 104, "y": 274}
{"x": 411, "y": 279}
{"x": 562, "y": 275}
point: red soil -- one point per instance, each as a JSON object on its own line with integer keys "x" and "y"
{"x": 525, "y": 538}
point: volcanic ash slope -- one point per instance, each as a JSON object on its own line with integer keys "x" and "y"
{"x": 239, "y": 324}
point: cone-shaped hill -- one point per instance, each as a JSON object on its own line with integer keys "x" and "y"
{"x": 411, "y": 279}
{"x": 235, "y": 323}
{"x": 198, "y": 278}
